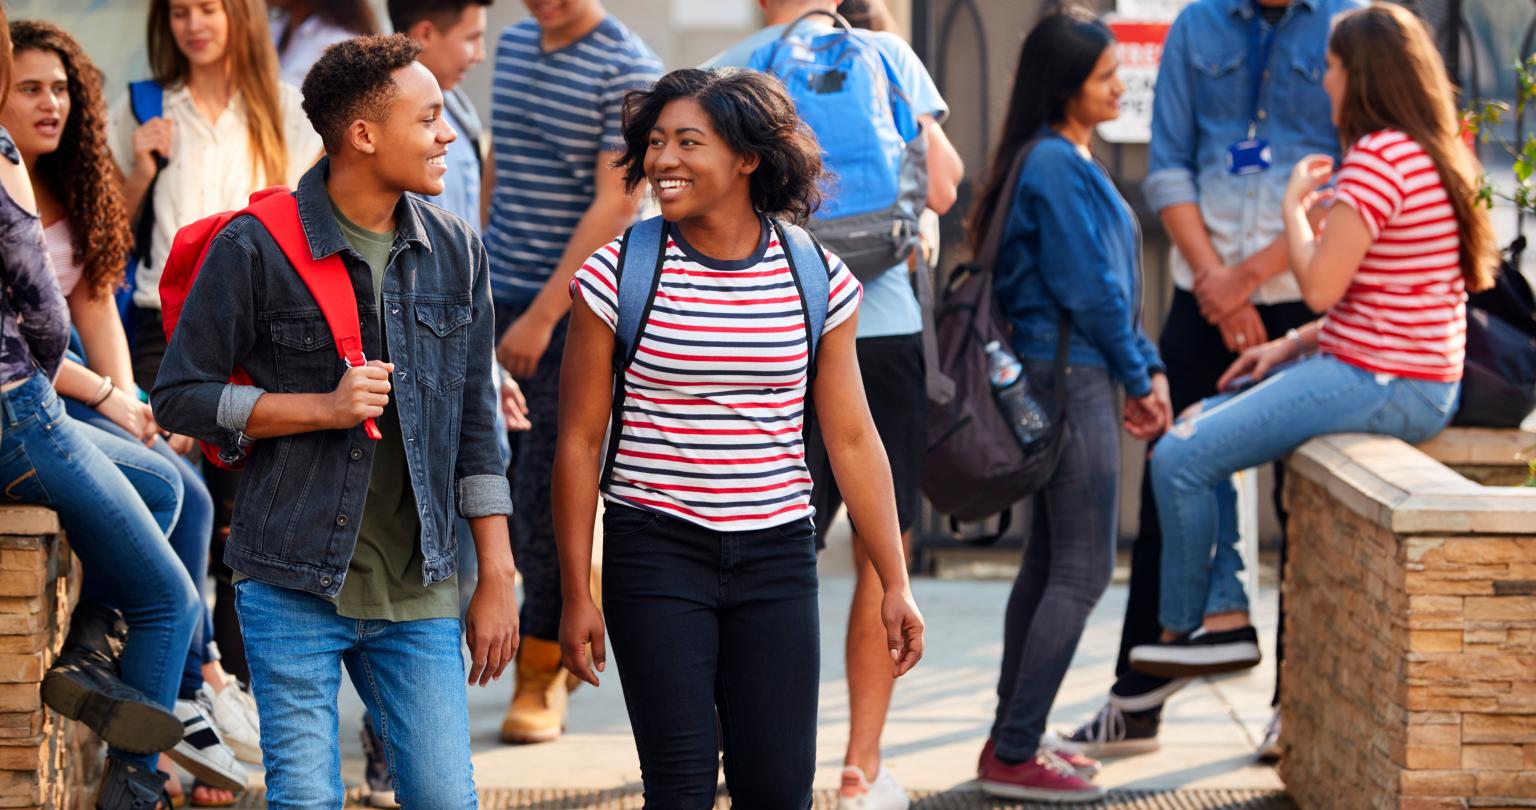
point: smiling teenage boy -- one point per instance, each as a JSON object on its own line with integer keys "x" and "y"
{"x": 345, "y": 547}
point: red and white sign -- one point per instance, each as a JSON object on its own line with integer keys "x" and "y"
{"x": 1140, "y": 48}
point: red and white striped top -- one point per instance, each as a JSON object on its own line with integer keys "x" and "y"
{"x": 714, "y": 402}
{"x": 1405, "y": 311}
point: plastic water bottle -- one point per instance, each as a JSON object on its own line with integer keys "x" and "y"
{"x": 1002, "y": 368}
{"x": 1010, "y": 386}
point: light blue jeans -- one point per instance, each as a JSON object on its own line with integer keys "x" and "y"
{"x": 1193, "y": 464}
{"x": 410, "y": 675}
{"x": 117, "y": 529}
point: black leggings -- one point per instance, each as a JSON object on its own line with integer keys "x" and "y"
{"x": 1196, "y": 359}
{"x": 705, "y": 622}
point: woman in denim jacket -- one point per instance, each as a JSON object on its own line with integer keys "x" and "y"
{"x": 1071, "y": 246}
{"x": 49, "y": 459}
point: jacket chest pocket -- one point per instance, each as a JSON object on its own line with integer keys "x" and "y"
{"x": 304, "y": 353}
{"x": 1222, "y": 83}
{"x": 442, "y": 342}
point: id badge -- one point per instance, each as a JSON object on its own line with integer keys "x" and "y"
{"x": 1248, "y": 157}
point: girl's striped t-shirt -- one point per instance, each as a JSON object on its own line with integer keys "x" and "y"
{"x": 1405, "y": 311}
{"x": 714, "y": 402}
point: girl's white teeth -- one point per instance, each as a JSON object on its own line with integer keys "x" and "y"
{"x": 672, "y": 184}
{"x": 437, "y": 161}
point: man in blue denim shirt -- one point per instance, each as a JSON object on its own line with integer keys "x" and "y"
{"x": 1239, "y": 100}
{"x": 345, "y": 547}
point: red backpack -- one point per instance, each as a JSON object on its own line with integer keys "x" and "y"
{"x": 278, "y": 211}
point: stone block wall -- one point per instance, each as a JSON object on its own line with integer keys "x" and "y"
{"x": 45, "y": 760}
{"x": 1410, "y": 672}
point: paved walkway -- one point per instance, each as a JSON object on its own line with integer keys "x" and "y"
{"x": 942, "y": 711}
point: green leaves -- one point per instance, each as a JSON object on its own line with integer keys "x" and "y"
{"x": 1482, "y": 120}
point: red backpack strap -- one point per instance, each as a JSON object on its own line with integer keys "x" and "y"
{"x": 327, "y": 279}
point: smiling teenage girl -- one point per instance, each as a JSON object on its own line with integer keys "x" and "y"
{"x": 709, "y": 551}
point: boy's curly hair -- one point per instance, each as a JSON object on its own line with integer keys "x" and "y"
{"x": 755, "y": 115}
{"x": 354, "y": 79}
{"x": 80, "y": 173}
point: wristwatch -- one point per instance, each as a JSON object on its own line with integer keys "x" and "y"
{"x": 1294, "y": 334}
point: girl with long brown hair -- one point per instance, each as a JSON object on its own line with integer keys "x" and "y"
{"x": 59, "y": 122}
{"x": 229, "y": 127}
{"x": 1402, "y": 243}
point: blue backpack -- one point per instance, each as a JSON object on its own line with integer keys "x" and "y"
{"x": 147, "y": 100}
{"x": 849, "y": 95}
{"x": 639, "y": 274}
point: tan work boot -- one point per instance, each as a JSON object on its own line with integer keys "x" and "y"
{"x": 537, "y": 713}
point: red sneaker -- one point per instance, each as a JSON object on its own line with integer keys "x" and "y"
{"x": 1043, "y": 779}
{"x": 986, "y": 754}
{"x": 1084, "y": 766}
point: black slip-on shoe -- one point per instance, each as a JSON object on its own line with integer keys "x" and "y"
{"x": 1199, "y": 653}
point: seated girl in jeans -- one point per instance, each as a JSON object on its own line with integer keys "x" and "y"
{"x": 50, "y": 459}
{"x": 1402, "y": 243}
{"x": 57, "y": 115}
{"x": 709, "y": 554}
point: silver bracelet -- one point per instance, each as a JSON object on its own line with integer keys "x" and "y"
{"x": 102, "y": 393}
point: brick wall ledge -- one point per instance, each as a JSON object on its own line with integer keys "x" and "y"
{"x": 1410, "y": 594}
{"x": 1406, "y": 490}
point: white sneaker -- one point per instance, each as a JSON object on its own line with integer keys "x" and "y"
{"x": 234, "y": 715}
{"x": 203, "y": 753}
{"x": 882, "y": 794}
{"x": 1270, "y": 750}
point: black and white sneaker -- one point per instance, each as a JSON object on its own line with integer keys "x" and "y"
{"x": 202, "y": 751}
{"x": 1199, "y": 653}
{"x": 1114, "y": 733}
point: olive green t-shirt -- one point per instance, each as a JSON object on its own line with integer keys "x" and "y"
{"x": 384, "y": 578}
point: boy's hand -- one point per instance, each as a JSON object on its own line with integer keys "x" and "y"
{"x": 362, "y": 394}
{"x": 490, "y": 627}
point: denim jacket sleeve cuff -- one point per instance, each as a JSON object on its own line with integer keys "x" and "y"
{"x": 484, "y": 495}
{"x": 235, "y": 405}
{"x": 1167, "y": 187}
{"x": 1139, "y": 386}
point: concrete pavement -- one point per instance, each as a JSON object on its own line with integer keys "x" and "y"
{"x": 942, "y": 709}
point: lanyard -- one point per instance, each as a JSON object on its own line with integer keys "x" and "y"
{"x": 1259, "y": 48}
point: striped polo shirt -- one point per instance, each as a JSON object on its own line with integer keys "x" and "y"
{"x": 1405, "y": 311}
{"x": 714, "y": 402}
{"x": 552, "y": 113}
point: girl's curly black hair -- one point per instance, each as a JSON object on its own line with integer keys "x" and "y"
{"x": 80, "y": 173}
{"x": 755, "y": 116}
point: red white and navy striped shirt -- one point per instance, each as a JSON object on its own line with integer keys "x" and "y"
{"x": 1405, "y": 311}
{"x": 714, "y": 402}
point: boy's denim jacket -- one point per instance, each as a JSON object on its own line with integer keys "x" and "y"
{"x": 301, "y": 498}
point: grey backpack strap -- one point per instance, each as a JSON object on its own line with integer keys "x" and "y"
{"x": 941, "y": 389}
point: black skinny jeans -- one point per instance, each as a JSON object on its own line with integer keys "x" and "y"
{"x": 704, "y": 622}
{"x": 1196, "y": 358}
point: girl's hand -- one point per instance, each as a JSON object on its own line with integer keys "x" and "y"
{"x": 581, "y": 630}
{"x": 128, "y": 413}
{"x": 1258, "y": 361}
{"x": 1309, "y": 174}
{"x": 1149, "y": 417}
{"x": 903, "y": 629}
{"x": 153, "y": 137}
